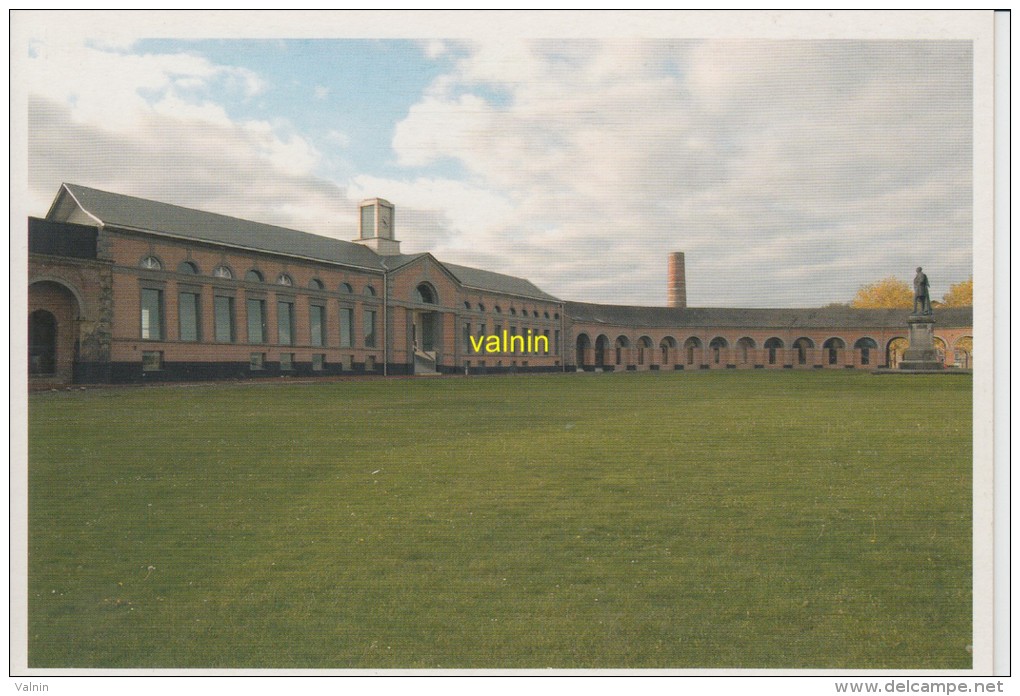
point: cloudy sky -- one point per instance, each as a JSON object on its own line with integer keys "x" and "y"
{"x": 790, "y": 172}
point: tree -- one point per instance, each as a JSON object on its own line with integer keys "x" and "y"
{"x": 960, "y": 294}
{"x": 890, "y": 293}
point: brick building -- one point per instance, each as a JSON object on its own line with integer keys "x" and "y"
{"x": 123, "y": 289}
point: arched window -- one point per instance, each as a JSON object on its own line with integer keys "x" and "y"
{"x": 370, "y": 291}
{"x": 187, "y": 268}
{"x": 425, "y": 294}
{"x": 253, "y": 276}
{"x": 513, "y": 312}
{"x": 546, "y": 314}
{"x": 481, "y": 307}
{"x": 346, "y": 288}
{"x": 316, "y": 284}
{"x": 151, "y": 263}
{"x": 467, "y": 305}
{"x": 222, "y": 271}
{"x": 499, "y": 310}
{"x": 284, "y": 279}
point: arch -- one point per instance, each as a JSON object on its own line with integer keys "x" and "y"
{"x": 832, "y": 348}
{"x": 941, "y": 349}
{"x": 513, "y": 312}
{"x": 583, "y": 346}
{"x": 188, "y": 268}
{"x": 894, "y": 350}
{"x": 316, "y": 284}
{"x": 481, "y": 307}
{"x": 621, "y": 343}
{"x": 691, "y": 346}
{"x": 802, "y": 345}
{"x": 716, "y": 347}
{"x": 370, "y": 291}
{"x": 346, "y": 289}
{"x": 773, "y": 345}
{"x": 284, "y": 279}
{"x": 744, "y": 347}
{"x": 223, "y": 271}
{"x": 601, "y": 346}
{"x": 467, "y": 305}
{"x": 963, "y": 352}
{"x": 425, "y": 293}
{"x": 498, "y": 309}
{"x": 644, "y": 344}
{"x": 55, "y": 307}
{"x": 864, "y": 346}
{"x": 254, "y": 276}
{"x": 666, "y": 348}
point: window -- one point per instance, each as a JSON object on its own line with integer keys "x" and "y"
{"x": 316, "y": 284}
{"x": 499, "y": 310}
{"x": 346, "y": 288}
{"x": 513, "y": 312}
{"x": 556, "y": 345}
{"x": 189, "y": 314}
{"x": 284, "y": 279}
{"x": 152, "y": 263}
{"x": 467, "y": 336}
{"x": 286, "y": 362}
{"x": 285, "y": 322}
{"x": 223, "y": 309}
{"x": 318, "y": 362}
{"x": 152, "y": 360}
{"x": 546, "y": 347}
{"x": 258, "y": 361}
{"x": 467, "y": 305}
{"x": 369, "y": 328}
{"x": 152, "y": 314}
{"x": 223, "y": 272}
{"x": 481, "y": 307}
{"x": 187, "y": 268}
{"x": 253, "y": 276}
{"x": 256, "y": 321}
{"x": 317, "y": 320}
{"x": 370, "y": 291}
{"x": 346, "y": 326}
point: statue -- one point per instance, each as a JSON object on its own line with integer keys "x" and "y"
{"x": 921, "y": 293}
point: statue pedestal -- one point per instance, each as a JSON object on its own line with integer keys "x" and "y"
{"x": 921, "y": 355}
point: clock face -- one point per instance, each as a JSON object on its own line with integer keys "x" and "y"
{"x": 385, "y": 218}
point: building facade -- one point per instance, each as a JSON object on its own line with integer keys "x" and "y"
{"x": 123, "y": 289}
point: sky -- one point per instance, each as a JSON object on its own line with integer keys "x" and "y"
{"x": 790, "y": 173}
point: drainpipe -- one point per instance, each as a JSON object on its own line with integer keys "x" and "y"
{"x": 385, "y": 322}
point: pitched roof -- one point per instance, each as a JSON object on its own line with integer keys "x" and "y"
{"x": 117, "y": 210}
{"x": 497, "y": 282}
{"x": 812, "y": 317}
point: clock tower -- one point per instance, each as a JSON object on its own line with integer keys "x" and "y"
{"x": 377, "y": 227}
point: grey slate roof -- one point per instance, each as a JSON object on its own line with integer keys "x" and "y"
{"x": 815, "y": 317}
{"x": 117, "y": 210}
{"x": 497, "y": 282}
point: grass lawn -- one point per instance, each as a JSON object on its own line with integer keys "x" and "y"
{"x": 723, "y": 520}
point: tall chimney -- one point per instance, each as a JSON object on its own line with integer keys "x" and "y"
{"x": 677, "y": 282}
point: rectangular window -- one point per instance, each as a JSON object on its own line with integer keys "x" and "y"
{"x": 189, "y": 313}
{"x": 546, "y": 346}
{"x": 370, "y": 328}
{"x": 318, "y": 362}
{"x": 285, "y": 322}
{"x": 346, "y": 326}
{"x": 556, "y": 348}
{"x": 152, "y": 314}
{"x": 256, "y": 321}
{"x": 223, "y": 309}
{"x": 286, "y": 362}
{"x": 467, "y": 337}
{"x": 152, "y": 360}
{"x": 317, "y": 320}
{"x": 258, "y": 361}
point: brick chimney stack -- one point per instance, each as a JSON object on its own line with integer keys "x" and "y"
{"x": 677, "y": 282}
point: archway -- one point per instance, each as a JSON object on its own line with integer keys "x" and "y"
{"x": 622, "y": 343}
{"x": 583, "y": 346}
{"x": 716, "y": 348}
{"x": 644, "y": 347}
{"x": 865, "y": 346}
{"x": 424, "y": 329}
{"x": 667, "y": 346}
{"x": 832, "y": 348}
{"x": 54, "y": 311}
{"x": 601, "y": 345}
{"x": 773, "y": 346}
{"x": 963, "y": 353}
{"x": 894, "y": 351}
{"x": 42, "y": 343}
{"x": 691, "y": 347}
{"x": 802, "y": 346}
{"x": 744, "y": 348}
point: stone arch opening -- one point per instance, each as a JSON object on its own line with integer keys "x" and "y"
{"x": 773, "y": 346}
{"x": 832, "y": 348}
{"x": 601, "y": 345}
{"x": 802, "y": 346}
{"x": 583, "y": 346}
{"x": 716, "y": 348}
{"x": 691, "y": 347}
{"x": 894, "y": 351}
{"x": 667, "y": 347}
{"x": 744, "y": 347}
{"x": 55, "y": 309}
{"x": 865, "y": 346}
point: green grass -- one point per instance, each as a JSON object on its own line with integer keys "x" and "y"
{"x": 719, "y": 520}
